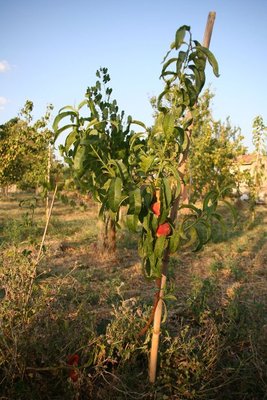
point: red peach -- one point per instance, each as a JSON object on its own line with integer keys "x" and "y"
{"x": 73, "y": 375}
{"x": 163, "y": 229}
{"x": 155, "y": 207}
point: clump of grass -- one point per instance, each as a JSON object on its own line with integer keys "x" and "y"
{"x": 15, "y": 231}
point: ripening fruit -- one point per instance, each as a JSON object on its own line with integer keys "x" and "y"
{"x": 163, "y": 229}
{"x": 155, "y": 207}
{"x": 74, "y": 361}
{"x": 73, "y": 375}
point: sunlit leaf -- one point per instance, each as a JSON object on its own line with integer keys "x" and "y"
{"x": 180, "y": 35}
{"x": 211, "y": 59}
{"x": 135, "y": 202}
{"x": 132, "y": 222}
{"x": 160, "y": 246}
{"x": 70, "y": 139}
{"x": 114, "y": 194}
{"x": 174, "y": 241}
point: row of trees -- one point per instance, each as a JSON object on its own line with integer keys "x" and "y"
{"x": 27, "y": 156}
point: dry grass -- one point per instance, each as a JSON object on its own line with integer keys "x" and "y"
{"x": 214, "y": 340}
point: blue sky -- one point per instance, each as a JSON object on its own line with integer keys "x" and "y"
{"x": 50, "y": 50}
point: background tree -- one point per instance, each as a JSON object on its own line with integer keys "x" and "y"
{"x": 24, "y": 149}
{"x": 256, "y": 176}
{"x": 12, "y": 166}
{"x": 215, "y": 148}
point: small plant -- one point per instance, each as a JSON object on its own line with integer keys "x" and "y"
{"x": 202, "y": 296}
{"x": 216, "y": 266}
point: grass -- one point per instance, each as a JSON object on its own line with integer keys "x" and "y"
{"x": 85, "y": 302}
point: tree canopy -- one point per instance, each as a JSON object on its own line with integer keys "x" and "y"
{"x": 23, "y": 148}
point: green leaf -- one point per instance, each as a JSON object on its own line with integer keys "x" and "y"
{"x": 211, "y": 59}
{"x": 180, "y": 35}
{"x": 167, "y": 192}
{"x": 167, "y": 63}
{"x": 134, "y": 138}
{"x": 210, "y": 201}
{"x": 155, "y": 264}
{"x": 70, "y": 140}
{"x": 191, "y": 207}
{"x": 160, "y": 246}
{"x": 78, "y": 161}
{"x": 140, "y": 123}
{"x": 65, "y": 127}
{"x": 132, "y": 222}
{"x": 204, "y": 230}
{"x": 82, "y": 103}
{"x": 154, "y": 222}
{"x": 114, "y": 194}
{"x": 147, "y": 196}
{"x": 146, "y": 162}
{"x": 149, "y": 266}
{"x": 168, "y": 124}
{"x": 181, "y": 58}
{"x": 160, "y": 98}
{"x": 146, "y": 248}
{"x": 135, "y": 202}
{"x": 59, "y": 117}
{"x": 164, "y": 312}
{"x": 174, "y": 241}
{"x": 121, "y": 168}
{"x": 191, "y": 90}
{"x": 192, "y": 236}
{"x": 232, "y": 209}
{"x": 170, "y": 296}
{"x": 220, "y": 219}
{"x": 175, "y": 173}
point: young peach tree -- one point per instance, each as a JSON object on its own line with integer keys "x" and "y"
{"x": 97, "y": 151}
{"x": 144, "y": 171}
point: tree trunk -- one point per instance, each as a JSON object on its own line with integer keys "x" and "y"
{"x": 107, "y": 235}
{"x": 112, "y": 236}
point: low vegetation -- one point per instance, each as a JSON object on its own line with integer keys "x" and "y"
{"x": 72, "y": 332}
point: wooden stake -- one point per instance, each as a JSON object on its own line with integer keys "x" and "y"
{"x": 158, "y": 311}
{"x": 156, "y": 332}
{"x": 46, "y": 226}
{"x": 36, "y": 262}
{"x": 209, "y": 29}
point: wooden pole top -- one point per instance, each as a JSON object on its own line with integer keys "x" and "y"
{"x": 209, "y": 28}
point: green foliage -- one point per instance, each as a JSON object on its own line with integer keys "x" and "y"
{"x": 155, "y": 163}
{"x": 260, "y": 143}
{"x": 215, "y": 148}
{"x": 23, "y": 149}
{"x": 259, "y": 135}
{"x": 202, "y": 296}
{"x": 213, "y": 345}
{"x": 97, "y": 145}
{"x": 122, "y": 168}
{"x": 97, "y": 151}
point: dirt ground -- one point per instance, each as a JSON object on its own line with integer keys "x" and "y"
{"x": 231, "y": 271}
